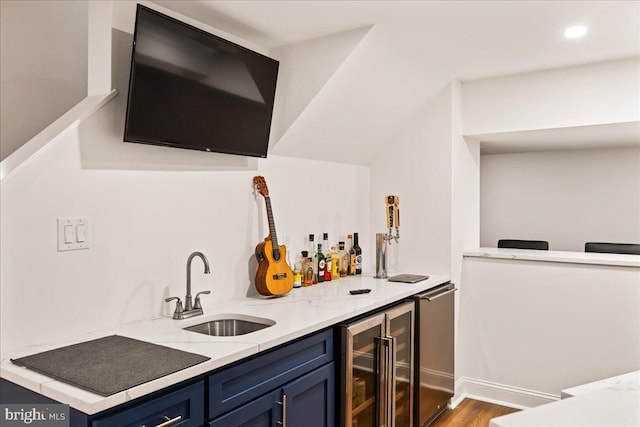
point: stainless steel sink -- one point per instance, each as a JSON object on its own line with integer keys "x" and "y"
{"x": 229, "y": 327}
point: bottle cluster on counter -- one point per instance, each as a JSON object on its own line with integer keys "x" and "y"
{"x": 322, "y": 262}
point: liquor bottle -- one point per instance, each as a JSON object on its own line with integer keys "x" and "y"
{"x": 344, "y": 260}
{"x": 297, "y": 272}
{"x": 319, "y": 265}
{"x": 358, "y": 252}
{"x": 335, "y": 264}
{"x": 307, "y": 268}
{"x": 312, "y": 246}
{"x": 327, "y": 257}
{"x": 352, "y": 257}
{"x": 312, "y": 255}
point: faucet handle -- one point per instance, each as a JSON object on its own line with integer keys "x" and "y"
{"x": 177, "y": 315}
{"x": 197, "y": 304}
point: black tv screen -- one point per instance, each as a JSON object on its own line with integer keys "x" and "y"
{"x": 191, "y": 89}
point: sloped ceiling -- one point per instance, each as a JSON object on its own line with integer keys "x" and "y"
{"x": 354, "y": 73}
{"x": 304, "y": 70}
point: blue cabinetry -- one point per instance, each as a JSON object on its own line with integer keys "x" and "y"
{"x": 292, "y": 384}
{"x": 252, "y": 378}
{"x": 181, "y": 408}
{"x": 305, "y": 402}
{"x": 310, "y": 400}
{"x": 177, "y": 406}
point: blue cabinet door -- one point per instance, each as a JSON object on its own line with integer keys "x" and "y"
{"x": 265, "y": 411}
{"x": 310, "y": 400}
{"x": 234, "y": 386}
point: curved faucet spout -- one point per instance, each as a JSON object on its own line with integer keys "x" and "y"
{"x": 188, "y": 301}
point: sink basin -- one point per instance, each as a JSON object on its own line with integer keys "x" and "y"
{"x": 230, "y": 327}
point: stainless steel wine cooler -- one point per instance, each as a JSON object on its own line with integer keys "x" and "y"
{"x": 377, "y": 364}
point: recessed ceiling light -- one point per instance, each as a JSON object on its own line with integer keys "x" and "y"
{"x": 575, "y": 31}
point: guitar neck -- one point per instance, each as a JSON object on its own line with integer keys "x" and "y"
{"x": 272, "y": 224}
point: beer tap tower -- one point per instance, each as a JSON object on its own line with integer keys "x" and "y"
{"x": 393, "y": 221}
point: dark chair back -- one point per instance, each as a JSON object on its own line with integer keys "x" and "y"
{"x": 612, "y": 248}
{"x": 541, "y": 245}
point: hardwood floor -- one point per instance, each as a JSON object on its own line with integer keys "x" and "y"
{"x": 471, "y": 413}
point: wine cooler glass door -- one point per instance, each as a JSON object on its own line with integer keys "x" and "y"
{"x": 400, "y": 329}
{"x": 362, "y": 386}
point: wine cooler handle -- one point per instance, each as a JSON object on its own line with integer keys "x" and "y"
{"x": 391, "y": 386}
{"x": 382, "y": 379}
{"x": 386, "y": 404}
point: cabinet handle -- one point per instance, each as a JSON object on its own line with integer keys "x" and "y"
{"x": 432, "y": 297}
{"x": 170, "y": 421}
{"x": 283, "y": 423}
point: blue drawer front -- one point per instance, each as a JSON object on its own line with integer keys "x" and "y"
{"x": 262, "y": 412}
{"x": 246, "y": 381}
{"x": 187, "y": 402}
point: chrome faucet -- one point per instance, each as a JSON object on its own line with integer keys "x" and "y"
{"x": 190, "y": 309}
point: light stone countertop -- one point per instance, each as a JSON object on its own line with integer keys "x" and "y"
{"x": 610, "y": 402}
{"x": 301, "y": 312}
{"x": 593, "y": 258}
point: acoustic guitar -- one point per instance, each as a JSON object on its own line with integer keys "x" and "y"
{"x": 274, "y": 276}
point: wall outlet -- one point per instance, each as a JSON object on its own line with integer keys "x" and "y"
{"x": 73, "y": 234}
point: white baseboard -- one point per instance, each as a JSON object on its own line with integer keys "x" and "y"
{"x": 499, "y": 394}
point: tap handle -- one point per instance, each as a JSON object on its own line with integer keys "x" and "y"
{"x": 179, "y": 310}
{"x": 390, "y": 214}
{"x": 197, "y": 302}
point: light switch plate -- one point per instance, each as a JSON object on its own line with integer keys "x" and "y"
{"x": 72, "y": 240}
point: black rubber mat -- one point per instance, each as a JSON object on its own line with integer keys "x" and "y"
{"x": 111, "y": 364}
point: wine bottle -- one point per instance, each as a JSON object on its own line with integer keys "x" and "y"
{"x": 358, "y": 252}
{"x": 327, "y": 257}
{"x": 352, "y": 257}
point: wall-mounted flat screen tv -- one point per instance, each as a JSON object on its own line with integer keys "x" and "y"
{"x": 191, "y": 89}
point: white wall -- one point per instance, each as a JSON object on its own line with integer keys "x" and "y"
{"x": 529, "y": 327}
{"x": 43, "y": 66}
{"x": 465, "y": 188}
{"x": 144, "y": 225}
{"x": 436, "y": 174}
{"x": 150, "y": 207}
{"x": 565, "y": 197}
{"x": 590, "y": 94}
{"x": 416, "y": 166}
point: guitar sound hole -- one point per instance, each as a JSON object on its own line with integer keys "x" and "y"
{"x": 276, "y": 254}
